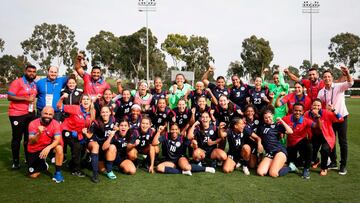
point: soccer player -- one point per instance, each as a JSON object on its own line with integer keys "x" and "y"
{"x": 313, "y": 84}
{"x": 98, "y": 132}
{"x": 45, "y": 136}
{"x": 124, "y": 104}
{"x": 217, "y": 89}
{"x": 173, "y": 147}
{"x": 178, "y": 90}
{"x": 49, "y": 90}
{"x": 238, "y": 136}
{"x": 94, "y": 84}
{"x": 298, "y": 96}
{"x": 275, "y": 158}
{"x": 277, "y": 88}
{"x": 333, "y": 98}
{"x": 158, "y": 92}
{"x": 199, "y": 91}
{"x": 258, "y": 95}
{"x": 238, "y": 92}
{"x": 134, "y": 117}
{"x": 21, "y": 94}
{"x": 199, "y": 109}
{"x": 299, "y": 140}
{"x": 324, "y": 135}
{"x": 75, "y": 127}
{"x": 206, "y": 139}
{"x": 161, "y": 114}
{"x": 225, "y": 111}
{"x": 105, "y": 100}
{"x": 142, "y": 97}
{"x": 183, "y": 115}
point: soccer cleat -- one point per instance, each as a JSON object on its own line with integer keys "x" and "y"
{"x": 58, "y": 177}
{"x": 95, "y": 179}
{"x": 188, "y": 173}
{"x": 209, "y": 169}
{"x": 15, "y": 166}
{"x": 78, "y": 174}
{"x": 315, "y": 164}
{"x": 111, "y": 175}
{"x": 332, "y": 166}
{"x": 323, "y": 172}
{"x": 306, "y": 173}
{"x": 293, "y": 168}
{"x": 342, "y": 170}
{"x": 246, "y": 171}
{"x": 238, "y": 165}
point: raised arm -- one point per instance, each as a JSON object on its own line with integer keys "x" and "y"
{"x": 206, "y": 76}
{"x": 80, "y": 62}
{"x": 287, "y": 127}
{"x": 291, "y": 75}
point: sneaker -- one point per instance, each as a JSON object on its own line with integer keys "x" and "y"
{"x": 333, "y": 166}
{"x": 315, "y": 164}
{"x": 188, "y": 173}
{"x": 95, "y": 179}
{"x": 78, "y": 174}
{"x": 238, "y": 165}
{"x": 342, "y": 170}
{"x": 306, "y": 173}
{"x": 209, "y": 169}
{"x": 246, "y": 171}
{"x": 58, "y": 177}
{"x": 293, "y": 168}
{"x": 15, "y": 166}
{"x": 53, "y": 160}
{"x": 111, "y": 175}
{"x": 323, "y": 172}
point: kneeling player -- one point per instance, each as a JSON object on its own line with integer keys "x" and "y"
{"x": 44, "y": 136}
{"x": 238, "y": 136}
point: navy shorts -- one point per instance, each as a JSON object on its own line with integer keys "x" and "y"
{"x": 36, "y": 164}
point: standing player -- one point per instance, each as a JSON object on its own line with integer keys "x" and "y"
{"x": 178, "y": 90}
{"x": 21, "y": 94}
{"x": 158, "y": 92}
{"x": 44, "y": 136}
{"x": 238, "y": 92}
{"x": 183, "y": 115}
{"x": 218, "y": 89}
{"x": 258, "y": 96}
{"x": 199, "y": 91}
{"x": 124, "y": 104}
{"x": 225, "y": 111}
{"x": 333, "y": 98}
{"x": 161, "y": 114}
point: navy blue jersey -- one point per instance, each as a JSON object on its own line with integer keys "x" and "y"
{"x": 217, "y": 92}
{"x": 101, "y": 131}
{"x": 239, "y": 95}
{"x": 144, "y": 138}
{"x": 253, "y": 125}
{"x": 198, "y": 112}
{"x": 123, "y": 108}
{"x": 182, "y": 119}
{"x": 160, "y": 118}
{"x": 203, "y": 136}
{"x": 237, "y": 140}
{"x": 133, "y": 123}
{"x": 270, "y": 135}
{"x": 157, "y": 96}
{"x": 194, "y": 96}
{"x": 99, "y": 104}
{"x": 226, "y": 115}
{"x": 256, "y": 97}
{"x": 173, "y": 150}
{"x": 121, "y": 143}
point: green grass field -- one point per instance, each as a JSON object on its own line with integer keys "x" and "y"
{"x": 218, "y": 187}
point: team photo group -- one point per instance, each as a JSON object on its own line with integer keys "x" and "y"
{"x": 264, "y": 129}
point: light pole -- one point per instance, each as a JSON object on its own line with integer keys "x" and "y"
{"x": 147, "y": 5}
{"x": 311, "y": 7}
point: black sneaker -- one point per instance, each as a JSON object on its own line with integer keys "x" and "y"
{"x": 342, "y": 170}
{"x": 95, "y": 179}
{"x": 332, "y": 166}
{"x": 15, "y": 165}
{"x": 78, "y": 174}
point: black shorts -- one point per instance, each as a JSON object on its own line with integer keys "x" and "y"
{"x": 236, "y": 157}
{"x": 272, "y": 154}
{"x": 253, "y": 146}
{"x": 36, "y": 164}
{"x": 119, "y": 159}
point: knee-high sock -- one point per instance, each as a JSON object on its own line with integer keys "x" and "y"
{"x": 284, "y": 170}
{"x": 172, "y": 170}
{"x": 108, "y": 166}
{"x": 197, "y": 168}
{"x": 95, "y": 163}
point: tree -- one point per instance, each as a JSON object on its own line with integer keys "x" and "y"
{"x": 256, "y": 55}
{"x": 345, "y": 48}
{"x": 104, "y": 49}
{"x": 305, "y": 67}
{"x": 11, "y": 67}
{"x": 193, "y": 51}
{"x": 50, "y": 42}
{"x": 235, "y": 68}
{"x": 2, "y": 45}
{"x": 331, "y": 67}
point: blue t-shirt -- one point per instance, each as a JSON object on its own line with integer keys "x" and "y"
{"x": 52, "y": 88}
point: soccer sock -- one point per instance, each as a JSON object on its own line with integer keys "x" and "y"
{"x": 108, "y": 165}
{"x": 57, "y": 168}
{"x": 244, "y": 163}
{"x": 95, "y": 163}
{"x": 284, "y": 170}
{"x": 172, "y": 170}
{"x": 197, "y": 168}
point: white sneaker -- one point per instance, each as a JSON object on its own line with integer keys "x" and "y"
{"x": 188, "y": 173}
{"x": 246, "y": 170}
{"x": 53, "y": 160}
{"x": 293, "y": 168}
{"x": 209, "y": 169}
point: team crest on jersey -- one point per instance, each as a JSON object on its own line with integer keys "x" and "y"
{"x": 272, "y": 126}
{"x": 242, "y": 135}
{"x": 130, "y": 103}
{"x": 76, "y": 93}
{"x": 256, "y": 122}
{"x": 177, "y": 144}
{"x": 147, "y": 136}
{"x": 225, "y": 93}
{"x": 242, "y": 88}
{"x": 185, "y": 116}
{"x": 67, "y": 134}
{"x": 16, "y": 123}
{"x": 112, "y": 126}
{"x": 262, "y": 95}
{"x": 31, "y": 169}
{"x": 211, "y": 132}
{"x": 164, "y": 115}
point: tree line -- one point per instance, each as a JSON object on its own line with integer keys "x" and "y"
{"x": 126, "y": 55}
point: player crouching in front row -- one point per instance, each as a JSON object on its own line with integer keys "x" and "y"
{"x": 44, "y": 136}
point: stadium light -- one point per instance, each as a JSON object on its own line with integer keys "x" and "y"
{"x": 146, "y": 6}
{"x": 311, "y": 7}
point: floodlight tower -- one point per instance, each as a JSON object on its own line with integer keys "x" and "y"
{"x": 311, "y": 7}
